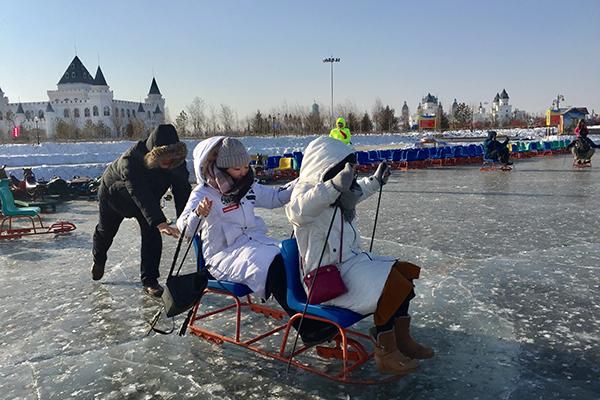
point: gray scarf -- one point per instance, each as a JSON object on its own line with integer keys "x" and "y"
{"x": 348, "y": 200}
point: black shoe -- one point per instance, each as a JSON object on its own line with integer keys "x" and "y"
{"x": 314, "y": 337}
{"x": 509, "y": 163}
{"x": 153, "y": 289}
{"x": 97, "y": 271}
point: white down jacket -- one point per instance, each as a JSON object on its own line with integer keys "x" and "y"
{"x": 234, "y": 241}
{"x": 310, "y": 213}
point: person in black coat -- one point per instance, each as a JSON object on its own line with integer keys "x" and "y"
{"x": 132, "y": 187}
{"x": 494, "y": 150}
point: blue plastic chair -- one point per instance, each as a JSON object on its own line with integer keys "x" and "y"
{"x": 273, "y": 162}
{"x": 237, "y": 289}
{"x": 374, "y": 156}
{"x": 296, "y": 296}
{"x": 385, "y": 154}
{"x": 362, "y": 157}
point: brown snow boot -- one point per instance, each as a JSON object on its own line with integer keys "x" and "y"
{"x": 405, "y": 342}
{"x": 388, "y": 358}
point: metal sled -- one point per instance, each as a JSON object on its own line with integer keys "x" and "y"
{"x": 493, "y": 165}
{"x": 348, "y": 347}
{"x": 10, "y": 213}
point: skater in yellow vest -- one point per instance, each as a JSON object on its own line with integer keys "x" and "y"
{"x": 340, "y": 132}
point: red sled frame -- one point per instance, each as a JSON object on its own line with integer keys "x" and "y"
{"x": 348, "y": 345}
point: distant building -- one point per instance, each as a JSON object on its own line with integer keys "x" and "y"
{"x": 81, "y": 99}
{"x": 405, "y": 117}
{"x": 501, "y": 109}
{"x": 428, "y": 113}
{"x": 565, "y": 119}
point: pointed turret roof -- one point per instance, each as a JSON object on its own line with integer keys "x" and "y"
{"x": 430, "y": 99}
{"x": 497, "y": 98}
{"x": 99, "y": 79}
{"x": 405, "y": 106}
{"x": 157, "y": 110}
{"x": 20, "y": 109}
{"x": 504, "y": 95}
{"x": 141, "y": 108}
{"x": 154, "y": 87}
{"x": 76, "y": 73}
{"x": 49, "y": 108}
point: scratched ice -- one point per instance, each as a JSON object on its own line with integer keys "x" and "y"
{"x": 508, "y": 297}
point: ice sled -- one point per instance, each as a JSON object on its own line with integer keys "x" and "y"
{"x": 582, "y": 165}
{"x": 11, "y": 212}
{"x": 340, "y": 359}
{"x": 493, "y": 165}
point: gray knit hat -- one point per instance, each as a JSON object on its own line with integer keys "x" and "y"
{"x": 232, "y": 154}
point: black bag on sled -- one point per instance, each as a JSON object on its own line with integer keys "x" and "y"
{"x": 182, "y": 292}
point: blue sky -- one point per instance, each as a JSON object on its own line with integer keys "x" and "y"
{"x": 259, "y": 54}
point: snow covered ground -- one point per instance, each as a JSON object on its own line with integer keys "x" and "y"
{"x": 509, "y": 299}
{"x": 90, "y": 158}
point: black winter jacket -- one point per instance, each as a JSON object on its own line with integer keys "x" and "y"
{"x": 135, "y": 180}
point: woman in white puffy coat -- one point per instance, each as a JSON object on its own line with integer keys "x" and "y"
{"x": 235, "y": 244}
{"x": 376, "y": 285}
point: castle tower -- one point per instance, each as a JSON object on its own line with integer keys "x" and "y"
{"x": 405, "y": 116}
{"x": 101, "y": 99}
{"x": 504, "y": 113}
{"x": 50, "y": 118}
{"x": 454, "y": 107}
{"x": 157, "y": 104}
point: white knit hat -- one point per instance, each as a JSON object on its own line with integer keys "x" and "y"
{"x": 232, "y": 154}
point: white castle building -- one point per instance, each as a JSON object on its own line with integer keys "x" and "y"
{"x": 499, "y": 114}
{"x": 81, "y": 99}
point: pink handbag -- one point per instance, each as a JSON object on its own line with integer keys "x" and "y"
{"x": 328, "y": 284}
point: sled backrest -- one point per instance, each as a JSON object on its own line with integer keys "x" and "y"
{"x": 9, "y": 209}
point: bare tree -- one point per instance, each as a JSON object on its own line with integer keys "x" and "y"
{"x": 197, "y": 115}
{"x": 227, "y": 118}
{"x": 377, "y": 113}
{"x": 212, "y": 122}
{"x": 181, "y": 123}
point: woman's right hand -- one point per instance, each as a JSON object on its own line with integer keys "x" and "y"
{"x": 204, "y": 207}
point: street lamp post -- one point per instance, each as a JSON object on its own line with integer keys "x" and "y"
{"x": 331, "y": 60}
{"x": 37, "y": 132}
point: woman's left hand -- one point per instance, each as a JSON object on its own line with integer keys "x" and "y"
{"x": 204, "y": 207}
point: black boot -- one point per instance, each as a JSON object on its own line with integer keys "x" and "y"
{"x": 315, "y": 333}
{"x": 97, "y": 271}
{"x": 153, "y": 289}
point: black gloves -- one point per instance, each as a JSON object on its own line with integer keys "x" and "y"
{"x": 382, "y": 173}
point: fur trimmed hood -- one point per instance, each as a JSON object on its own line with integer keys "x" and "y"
{"x": 176, "y": 152}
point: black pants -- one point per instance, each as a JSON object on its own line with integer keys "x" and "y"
{"x": 500, "y": 154}
{"x": 111, "y": 216}
{"x": 277, "y": 286}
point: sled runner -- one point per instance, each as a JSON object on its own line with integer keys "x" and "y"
{"x": 580, "y": 165}
{"x": 493, "y": 165}
{"x": 11, "y": 212}
{"x": 348, "y": 347}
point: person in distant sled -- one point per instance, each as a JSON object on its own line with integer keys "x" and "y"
{"x": 326, "y": 196}
{"x": 235, "y": 245}
{"x": 582, "y": 147}
{"x": 132, "y": 187}
{"x": 494, "y": 150}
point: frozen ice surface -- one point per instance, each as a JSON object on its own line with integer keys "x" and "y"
{"x": 508, "y": 297}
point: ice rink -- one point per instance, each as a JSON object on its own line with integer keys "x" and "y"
{"x": 509, "y": 297}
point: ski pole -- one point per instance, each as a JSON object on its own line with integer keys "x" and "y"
{"x": 310, "y": 289}
{"x": 376, "y": 215}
